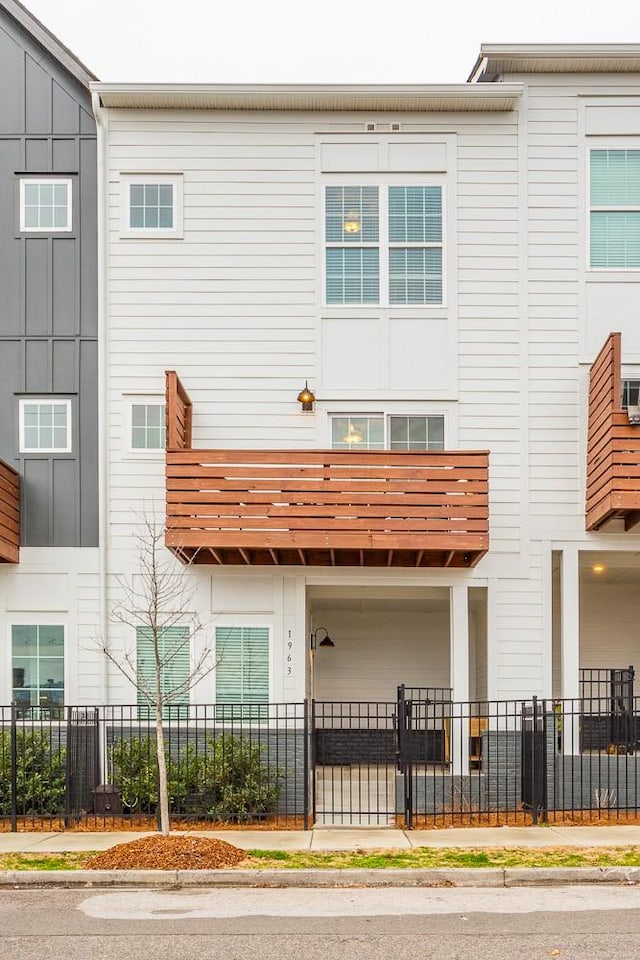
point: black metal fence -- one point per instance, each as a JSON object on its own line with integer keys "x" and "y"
{"x": 238, "y": 764}
{"x": 520, "y": 762}
{"x": 414, "y": 761}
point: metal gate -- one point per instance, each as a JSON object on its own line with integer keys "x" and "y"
{"x": 354, "y": 758}
{"x": 424, "y": 760}
{"x": 365, "y": 754}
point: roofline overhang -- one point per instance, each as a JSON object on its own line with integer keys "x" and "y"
{"x": 407, "y": 98}
{"x": 49, "y": 41}
{"x": 555, "y": 58}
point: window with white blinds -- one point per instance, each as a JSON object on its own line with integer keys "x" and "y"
{"x": 383, "y": 245}
{"x": 615, "y": 208}
{"x": 174, "y": 649}
{"x": 377, "y": 432}
{"x": 242, "y": 672}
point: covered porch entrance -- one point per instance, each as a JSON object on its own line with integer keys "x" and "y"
{"x": 430, "y": 641}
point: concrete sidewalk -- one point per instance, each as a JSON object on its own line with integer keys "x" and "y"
{"x": 343, "y": 838}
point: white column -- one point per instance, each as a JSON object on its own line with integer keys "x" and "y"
{"x": 570, "y": 645}
{"x": 459, "y": 651}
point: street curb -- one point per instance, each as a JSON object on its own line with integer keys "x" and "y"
{"x": 392, "y": 877}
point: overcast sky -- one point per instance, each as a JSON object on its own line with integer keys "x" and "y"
{"x": 357, "y": 41}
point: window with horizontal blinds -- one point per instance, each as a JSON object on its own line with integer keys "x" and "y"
{"x": 242, "y": 672}
{"x": 383, "y": 245}
{"x": 615, "y": 208}
{"x": 174, "y": 650}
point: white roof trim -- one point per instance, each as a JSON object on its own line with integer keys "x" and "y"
{"x": 503, "y": 58}
{"x": 317, "y": 97}
{"x": 39, "y": 32}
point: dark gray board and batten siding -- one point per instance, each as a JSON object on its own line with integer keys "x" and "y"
{"x": 48, "y": 288}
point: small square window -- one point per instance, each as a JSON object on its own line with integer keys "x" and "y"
{"x": 148, "y": 431}
{"x": 45, "y": 205}
{"x": 151, "y": 205}
{"x": 45, "y": 426}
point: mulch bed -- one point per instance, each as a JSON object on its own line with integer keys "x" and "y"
{"x": 169, "y": 853}
{"x": 95, "y": 823}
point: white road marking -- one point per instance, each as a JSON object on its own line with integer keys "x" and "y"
{"x": 223, "y": 903}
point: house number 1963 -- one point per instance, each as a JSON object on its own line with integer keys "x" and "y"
{"x": 289, "y": 656}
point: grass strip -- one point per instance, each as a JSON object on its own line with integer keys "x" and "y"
{"x": 452, "y": 857}
{"x": 380, "y": 859}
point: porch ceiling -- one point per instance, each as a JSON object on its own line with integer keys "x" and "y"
{"x": 618, "y": 567}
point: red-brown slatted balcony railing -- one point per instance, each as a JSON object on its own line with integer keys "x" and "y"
{"x": 326, "y": 507}
{"x": 613, "y": 447}
{"x": 9, "y": 514}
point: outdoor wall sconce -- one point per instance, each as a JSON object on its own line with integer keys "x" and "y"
{"x": 306, "y": 397}
{"x": 326, "y": 640}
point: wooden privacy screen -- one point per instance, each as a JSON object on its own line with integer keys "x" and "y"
{"x": 178, "y": 413}
{"x": 9, "y": 514}
{"x": 324, "y": 507}
{"x": 613, "y": 447}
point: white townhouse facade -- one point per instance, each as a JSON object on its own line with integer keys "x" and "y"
{"x": 431, "y": 271}
{"x": 440, "y": 265}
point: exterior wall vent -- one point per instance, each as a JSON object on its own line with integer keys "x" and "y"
{"x": 370, "y": 127}
{"x": 396, "y": 126}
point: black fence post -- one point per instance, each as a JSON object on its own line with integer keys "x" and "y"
{"x": 68, "y": 768}
{"x": 305, "y": 789}
{"x": 14, "y": 767}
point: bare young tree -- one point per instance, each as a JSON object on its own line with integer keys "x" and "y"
{"x": 155, "y": 599}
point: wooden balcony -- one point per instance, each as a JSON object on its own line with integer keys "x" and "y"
{"x": 322, "y": 507}
{"x": 9, "y": 514}
{"x": 613, "y": 447}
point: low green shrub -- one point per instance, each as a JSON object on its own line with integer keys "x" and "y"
{"x": 41, "y": 775}
{"x": 226, "y": 781}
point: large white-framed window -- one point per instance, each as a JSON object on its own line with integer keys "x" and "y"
{"x": 44, "y": 425}
{"x": 38, "y": 669}
{"x": 614, "y": 208}
{"x": 379, "y": 431}
{"x": 151, "y": 205}
{"x": 147, "y": 425}
{"x": 242, "y": 673}
{"x": 174, "y": 651}
{"x": 46, "y": 205}
{"x": 384, "y": 244}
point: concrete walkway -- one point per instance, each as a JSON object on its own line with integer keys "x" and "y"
{"x": 346, "y": 838}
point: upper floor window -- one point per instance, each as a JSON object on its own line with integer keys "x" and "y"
{"x": 45, "y": 205}
{"x": 615, "y": 208}
{"x": 152, "y": 205}
{"x": 148, "y": 429}
{"x": 383, "y": 245}
{"x": 37, "y": 664}
{"x": 45, "y": 426}
{"x": 377, "y": 432}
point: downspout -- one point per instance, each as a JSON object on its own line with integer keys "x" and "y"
{"x": 103, "y": 472}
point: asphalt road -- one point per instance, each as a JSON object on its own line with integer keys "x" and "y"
{"x": 568, "y": 923}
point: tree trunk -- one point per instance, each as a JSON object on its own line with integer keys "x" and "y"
{"x": 163, "y": 791}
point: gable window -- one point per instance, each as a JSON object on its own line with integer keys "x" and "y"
{"x": 37, "y": 667}
{"x": 383, "y": 245}
{"x": 615, "y": 208}
{"x": 242, "y": 672}
{"x": 148, "y": 427}
{"x": 377, "y": 432}
{"x": 174, "y": 649}
{"x": 45, "y": 426}
{"x": 45, "y": 205}
{"x": 152, "y": 205}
